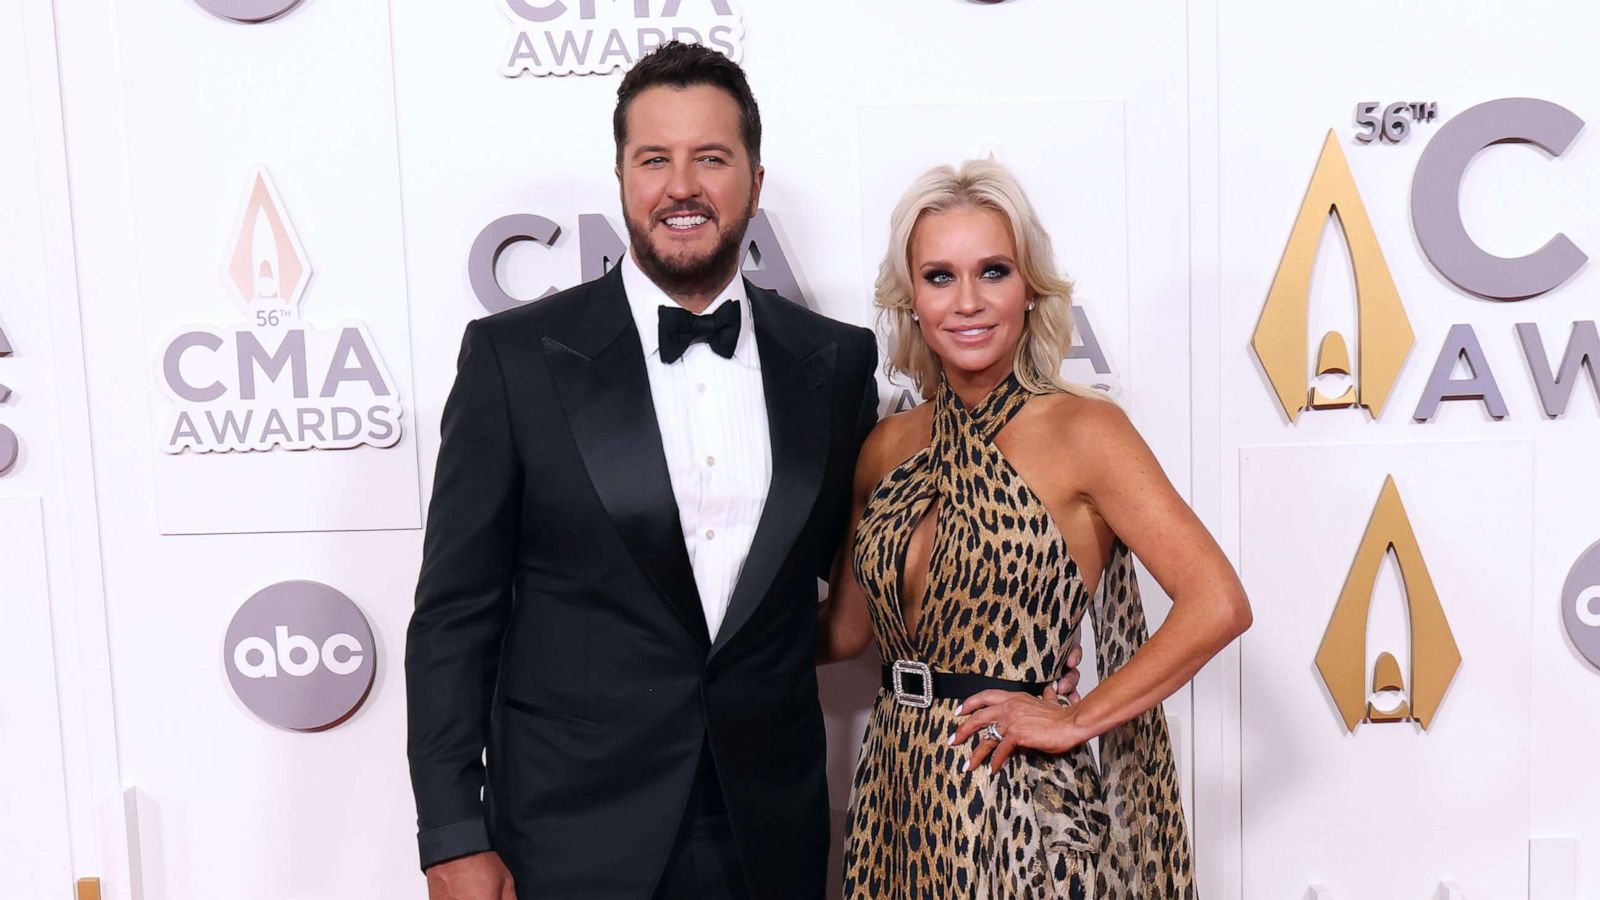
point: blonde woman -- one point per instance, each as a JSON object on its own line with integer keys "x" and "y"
{"x": 987, "y": 523}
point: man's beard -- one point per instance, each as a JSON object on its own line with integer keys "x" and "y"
{"x": 690, "y": 277}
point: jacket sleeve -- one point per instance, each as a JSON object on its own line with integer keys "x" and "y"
{"x": 463, "y": 603}
{"x": 868, "y": 417}
{"x": 866, "y": 420}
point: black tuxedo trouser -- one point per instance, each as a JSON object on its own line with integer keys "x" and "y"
{"x": 704, "y": 863}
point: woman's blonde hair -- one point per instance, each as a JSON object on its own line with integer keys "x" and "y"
{"x": 1046, "y": 329}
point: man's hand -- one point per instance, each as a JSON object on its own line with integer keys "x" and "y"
{"x": 1067, "y": 686}
{"x": 481, "y": 876}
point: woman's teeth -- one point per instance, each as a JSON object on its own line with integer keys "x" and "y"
{"x": 969, "y": 332}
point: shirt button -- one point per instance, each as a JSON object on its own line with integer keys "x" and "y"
{"x": 711, "y": 460}
{"x": 710, "y": 534}
{"x": 700, "y": 388}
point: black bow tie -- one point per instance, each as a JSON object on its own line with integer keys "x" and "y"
{"x": 679, "y": 328}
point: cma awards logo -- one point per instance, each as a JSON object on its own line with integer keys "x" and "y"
{"x": 300, "y": 656}
{"x": 593, "y": 37}
{"x": 1383, "y": 334}
{"x": 1341, "y": 658}
{"x": 273, "y": 379}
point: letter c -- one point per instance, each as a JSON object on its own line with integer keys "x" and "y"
{"x": 1585, "y": 603}
{"x": 1436, "y": 199}
{"x": 493, "y": 241}
{"x": 352, "y": 660}
{"x": 172, "y": 366}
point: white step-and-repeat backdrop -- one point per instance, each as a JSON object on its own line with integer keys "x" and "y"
{"x": 1331, "y": 259}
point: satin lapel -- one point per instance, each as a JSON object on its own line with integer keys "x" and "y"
{"x": 599, "y": 372}
{"x": 797, "y": 383}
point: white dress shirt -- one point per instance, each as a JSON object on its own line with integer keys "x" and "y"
{"x": 713, "y": 420}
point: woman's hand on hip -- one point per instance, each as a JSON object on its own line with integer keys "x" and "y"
{"x": 1024, "y": 721}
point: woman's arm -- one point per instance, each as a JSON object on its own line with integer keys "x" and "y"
{"x": 1124, "y": 485}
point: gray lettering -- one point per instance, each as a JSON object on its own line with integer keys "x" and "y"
{"x": 229, "y": 425}
{"x": 1583, "y": 350}
{"x": 523, "y": 58}
{"x": 721, "y": 40}
{"x": 351, "y": 343}
{"x": 765, "y": 263}
{"x": 599, "y": 248}
{"x": 641, "y": 8}
{"x": 493, "y": 241}
{"x": 1084, "y": 343}
{"x": 292, "y": 349}
{"x": 615, "y": 46}
{"x": 671, "y": 8}
{"x": 656, "y": 36}
{"x": 379, "y": 416}
{"x": 1436, "y": 199}
{"x": 568, "y": 46}
{"x": 312, "y": 427}
{"x": 1461, "y": 342}
{"x": 346, "y": 423}
{"x": 547, "y": 13}
{"x": 275, "y": 428}
{"x": 183, "y": 432}
{"x": 172, "y": 367}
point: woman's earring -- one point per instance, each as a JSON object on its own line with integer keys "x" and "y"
{"x": 915, "y": 317}
{"x": 1030, "y": 306}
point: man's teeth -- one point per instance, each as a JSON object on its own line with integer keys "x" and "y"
{"x": 685, "y": 221}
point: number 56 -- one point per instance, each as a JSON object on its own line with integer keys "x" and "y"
{"x": 1393, "y": 127}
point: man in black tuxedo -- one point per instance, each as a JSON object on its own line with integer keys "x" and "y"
{"x": 632, "y": 506}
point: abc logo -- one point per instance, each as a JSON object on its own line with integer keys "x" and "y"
{"x": 299, "y": 654}
{"x": 1580, "y": 604}
{"x": 296, "y": 655}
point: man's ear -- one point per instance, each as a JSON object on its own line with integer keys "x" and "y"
{"x": 755, "y": 187}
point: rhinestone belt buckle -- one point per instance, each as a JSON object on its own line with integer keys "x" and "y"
{"x": 922, "y": 696}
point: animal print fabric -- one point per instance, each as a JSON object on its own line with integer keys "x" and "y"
{"x": 1003, "y": 599}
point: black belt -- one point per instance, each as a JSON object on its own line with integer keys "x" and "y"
{"x": 914, "y": 684}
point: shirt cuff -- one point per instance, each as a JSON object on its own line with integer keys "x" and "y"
{"x": 447, "y": 842}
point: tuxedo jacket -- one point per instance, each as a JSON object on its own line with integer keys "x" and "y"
{"x": 558, "y": 633}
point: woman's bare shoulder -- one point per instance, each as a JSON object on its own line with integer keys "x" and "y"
{"x": 1087, "y": 427}
{"x": 896, "y": 438}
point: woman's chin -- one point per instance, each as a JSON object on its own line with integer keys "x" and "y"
{"x": 958, "y": 369}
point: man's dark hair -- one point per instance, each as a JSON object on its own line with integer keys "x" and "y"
{"x": 679, "y": 65}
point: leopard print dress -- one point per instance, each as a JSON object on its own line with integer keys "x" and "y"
{"x": 1004, "y": 599}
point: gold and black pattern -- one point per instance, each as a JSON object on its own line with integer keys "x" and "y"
{"x": 1003, "y": 599}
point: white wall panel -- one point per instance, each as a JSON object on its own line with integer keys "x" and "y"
{"x": 1388, "y": 809}
{"x": 33, "y": 792}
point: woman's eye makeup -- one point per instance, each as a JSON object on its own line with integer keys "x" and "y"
{"x": 991, "y": 272}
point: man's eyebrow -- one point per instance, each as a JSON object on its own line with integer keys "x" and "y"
{"x": 649, "y": 148}
{"x": 722, "y": 147}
